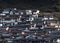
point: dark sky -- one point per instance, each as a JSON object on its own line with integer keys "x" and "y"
{"x": 26, "y": 3}
{"x": 29, "y": 1}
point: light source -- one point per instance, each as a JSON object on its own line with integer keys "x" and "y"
{"x": 22, "y": 33}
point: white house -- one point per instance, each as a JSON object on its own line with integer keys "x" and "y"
{"x": 28, "y": 12}
{"x": 36, "y": 12}
{"x": 2, "y": 14}
{"x": 6, "y": 11}
{"x": 48, "y": 17}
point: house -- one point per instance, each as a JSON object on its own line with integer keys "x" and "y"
{"x": 36, "y": 11}
{"x": 48, "y": 17}
{"x": 2, "y": 14}
{"x": 33, "y": 27}
{"x": 57, "y": 26}
{"x": 11, "y": 13}
{"x": 31, "y": 36}
{"x": 2, "y": 28}
{"x": 14, "y": 8}
{"x": 26, "y": 30}
{"x": 7, "y": 20}
{"x": 6, "y": 11}
{"x": 16, "y": 12}
{"x": 31, "y": 18}
{"x": 28, "y": 12}
{"x": 22, "y": 12}
{"x": 54, "y": 23}
{"x": 5, "y": 35}
{"x": 35, "y": 16}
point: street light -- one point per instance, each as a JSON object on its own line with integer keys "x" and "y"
{"x": 22, "y": 33}
{"x": 58, "y": 40}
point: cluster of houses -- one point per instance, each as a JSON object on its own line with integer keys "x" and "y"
{"x": 17, "y": 25}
